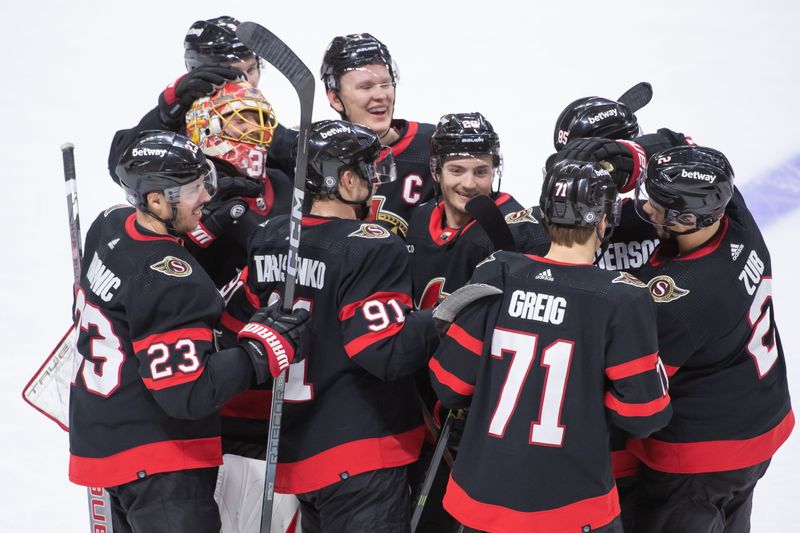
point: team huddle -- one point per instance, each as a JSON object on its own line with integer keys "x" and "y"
{"x": 600, "y": 363}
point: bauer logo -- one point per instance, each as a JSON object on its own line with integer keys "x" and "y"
{"x": 602, "y": 115}
{"x": 664, "y": 290}
{"x": 158, "y": 152}
{"x": 695, "y": 175}
{"x": 334, "y": 131}
{"x": 172, "y": 266}
{"x": 371, "y": 231}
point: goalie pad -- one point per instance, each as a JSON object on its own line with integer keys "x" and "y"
{"x": 48, "y": 389}
{"x": 239, "y": 494}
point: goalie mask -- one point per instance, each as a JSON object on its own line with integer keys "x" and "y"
{"x": 595, "y": 117}
{"x": 692, "y": 183}
{"x": 235, "y": 125}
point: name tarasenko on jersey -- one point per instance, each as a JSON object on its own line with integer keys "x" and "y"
{"x": 272, "y": 268}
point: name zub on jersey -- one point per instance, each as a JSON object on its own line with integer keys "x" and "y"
{"x": 626, "y": 255}
{"x": 271, "y": 268}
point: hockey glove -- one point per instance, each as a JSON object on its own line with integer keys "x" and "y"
{"x": 652, "y": 143}
{"x": 233, "y": 186}
{"x": 624, "y": 160}
{"x": 217, "y": 218}
{"x": 274, "y": 339}
{"x": 177, "y": 98}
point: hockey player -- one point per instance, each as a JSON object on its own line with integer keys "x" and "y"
{"x": 360, "y": 78}
{"x": 711, "y": 278}
{"x": 144, "y": 405}
{"x": 446, "y": 244}
{"x": 535, "y": 455}
{"x": 350, "y": 421}
{"x": 235, "y": 127}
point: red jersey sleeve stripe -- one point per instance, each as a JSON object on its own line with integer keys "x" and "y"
{"x": 466, "y": 340}
{"x": 357, "y": 345}
{"x": 636, "y": 409}
{"x": 350, "y": 309}
{"x": 631, "y": 368}
{"x": 176, "y": 379}
{"x": 171, "y": 337}
{"x": 252, "y": 298}
{"x": 671, "y": 370}
{"x": 231, "y": 323}
{"x": 452, "y": 381}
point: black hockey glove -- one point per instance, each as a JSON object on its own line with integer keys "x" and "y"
{"x": 624, "y": 160}
{"x": 652, "y": 143}
{"x": 274, "y": 339}
{"x": 217, "y": 218}
{"x": 238, "y": 186}
{"x": 177, "y": 98}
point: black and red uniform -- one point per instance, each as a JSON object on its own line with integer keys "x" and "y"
{"x": 443, "y": 258}
{"x": 720, "y": 344}
{"x": 544, "y": 368}
{"x": 350, "y": 406}
{"x": 394, "y": 202}
{"x": 146, "y": 395}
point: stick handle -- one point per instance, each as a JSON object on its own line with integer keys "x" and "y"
{"x": 68, "y": 155}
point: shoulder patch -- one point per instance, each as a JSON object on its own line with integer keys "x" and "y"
{"x": 663, "y": 289}
{"x": 114, "y": 208}
{"x": 371, "y": 231}
{"x": 487, "y": 260}
{"x": 172, "y": 266}
{"x": 629, "y": 279}
{"x": 526, "y": 215}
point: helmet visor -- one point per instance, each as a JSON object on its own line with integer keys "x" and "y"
{"x": 662, "y": 216}
{"x": 383, "y": 170}
{"x": 192, "y": 191}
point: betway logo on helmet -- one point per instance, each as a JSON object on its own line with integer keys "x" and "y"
{"x": 695, "y": 175}
{"x": 158, "y": 152}
{"x": 334, "y": 131}
{"x": 602, "y": 115}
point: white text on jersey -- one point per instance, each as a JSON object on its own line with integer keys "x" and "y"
{"x": 751, "y": 273}
{"x": 627, "y": 255}
{"x": 272, "y": 268}
{"x": 101, "y": 279}
{"x": 540, "y": 307}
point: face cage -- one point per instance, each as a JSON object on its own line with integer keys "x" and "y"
{"x": 260, "y": 132}
{"x": 190, "y": 192}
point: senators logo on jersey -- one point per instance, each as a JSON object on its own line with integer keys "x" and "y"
{"x": 172, "y": 266}
{"x": 371, "y": 231}
{"x": 526, "y": 215}
{"x": 395, "y": 222}
{"x": 629, "y": 279}
{"x": 663, "y": 289}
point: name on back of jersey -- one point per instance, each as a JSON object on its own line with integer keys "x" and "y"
{"x": 537, "y": 306}
{"x": 626, "y": 255}
{"x": 271, "y": 268}
{"x": 102, "y": 281}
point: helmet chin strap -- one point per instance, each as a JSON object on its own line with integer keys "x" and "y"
{"x": 604, "y": 241}
{"x": 167, "y": 223}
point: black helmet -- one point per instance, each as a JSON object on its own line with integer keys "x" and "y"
{"x": 464, "y": 134}
{"x": 579, "y": 193}
{"x": 161, "y": 161}
{"x": 595, "y": 117}
{"x": 214, "y": 42}
{"x": 335, "y": 144}
{"x": 692, "y": 183}
{"x": 347, "y": 52}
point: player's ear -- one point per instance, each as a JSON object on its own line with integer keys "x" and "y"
{"x": 334, "y": 101}
{"x": 155, "y": 200}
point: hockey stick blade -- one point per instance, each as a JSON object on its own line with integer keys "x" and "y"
{"x": 637, "y": 96}
{"x": 485, "y": 211}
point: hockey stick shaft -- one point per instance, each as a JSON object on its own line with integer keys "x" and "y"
{"x": 269, "y": 47}
{"x": 430, "y": 474}
{"x": 99, "y": 501}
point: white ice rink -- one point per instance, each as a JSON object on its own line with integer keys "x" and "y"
{"x": 77, "y": 71}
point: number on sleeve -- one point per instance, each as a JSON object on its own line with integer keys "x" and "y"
{"x": 762, "y": 347}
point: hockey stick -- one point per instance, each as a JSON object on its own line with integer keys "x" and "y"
{"x": 267, "y": 46}
{"x": 485, "y": 211}
{"x": 99, "y": 501}
{"x": 430, "y": 474}
{"x": 637, "y": 96}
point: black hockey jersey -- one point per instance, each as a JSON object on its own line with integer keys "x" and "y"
{"x": 224, "y": 255}
{"x": 720, "y": 344}
{"x": 631, "y": 244}
{"x": 544, "y": 367}
{"x": 394, "y": 203}
{"x": 349, "y": 405}
{"x": 443, "y": 259}
{"x": 146, "y": 394}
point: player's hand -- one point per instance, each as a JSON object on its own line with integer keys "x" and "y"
{"x": 626, "y": 161}
{"x": 217, "y": 218}
{"x": 177, "y": 98}
{"x": 275, "y": 339}
{"x": 233, "y": 186}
